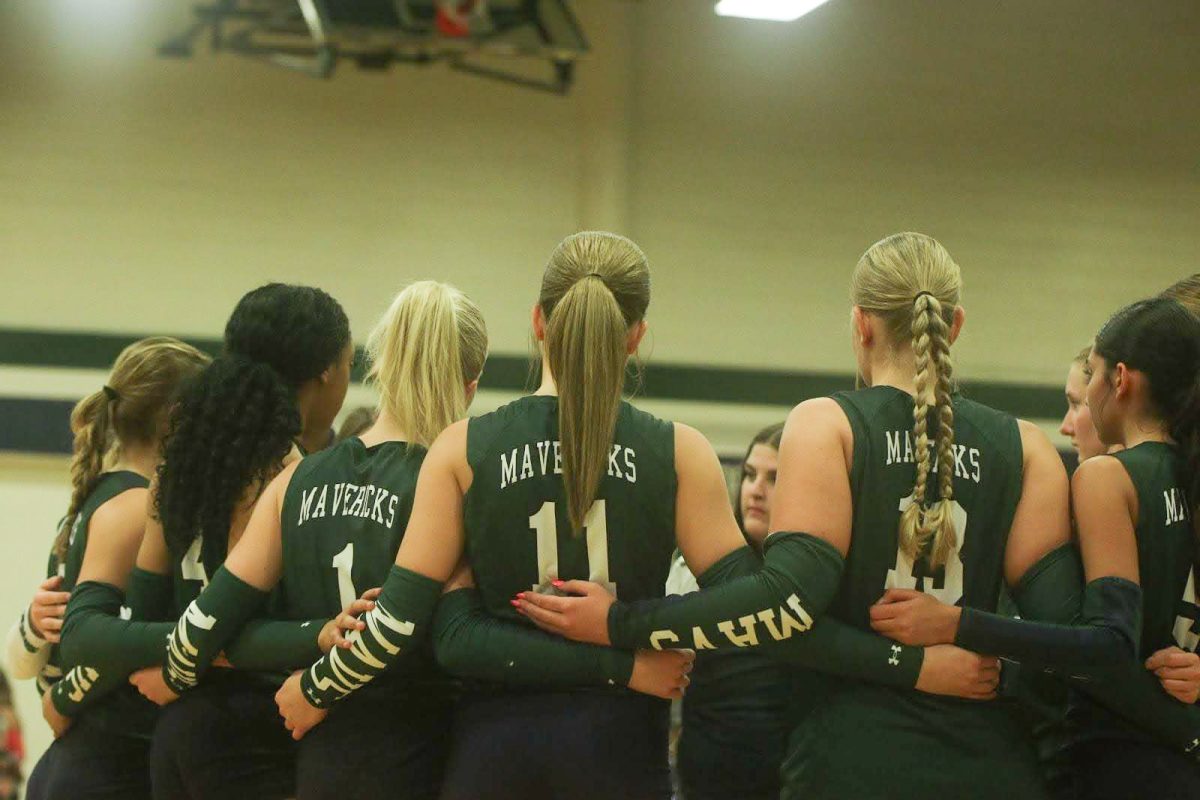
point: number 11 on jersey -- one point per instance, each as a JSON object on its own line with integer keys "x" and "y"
{"x": 595, "y": 528}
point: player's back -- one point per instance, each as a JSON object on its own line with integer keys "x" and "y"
{"x": 344, "y": 514}
{"x": 604, "y": 742}
{"x": 518, "y": 534}
{"x": 853, "y": 739}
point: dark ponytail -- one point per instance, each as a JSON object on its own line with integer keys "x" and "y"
{"x": 230, "y": 431}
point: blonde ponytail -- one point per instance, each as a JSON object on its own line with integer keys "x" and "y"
{"x": 429, "y": 344}
{"x": 585, "y": 345}
{"x": 131, "y": 408}
{"x": 595, "y": 287}
{"x": 90, "y": 422}
{"x": 913, "y": 285}
{"x": 923, "y": 521}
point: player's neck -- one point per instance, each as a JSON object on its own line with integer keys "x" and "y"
{"x": 385, "y": 429}
{"x": 548, "y": 387}
{"x": 139, "y": 458}
{"x": 1138, "y": 430}
{"x": 892, "y": 373}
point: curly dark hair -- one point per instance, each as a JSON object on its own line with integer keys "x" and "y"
{"x": 236, "y": 421}
{"x": 298, "y": 330}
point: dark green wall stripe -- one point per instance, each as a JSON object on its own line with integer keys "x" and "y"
{"x": 45, "y": 348}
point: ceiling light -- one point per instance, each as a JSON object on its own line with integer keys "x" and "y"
{"x": 778, "y": 10}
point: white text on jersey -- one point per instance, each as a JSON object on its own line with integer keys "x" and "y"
{"x": 545, "y": 458}
{"x": 349, "y": 500}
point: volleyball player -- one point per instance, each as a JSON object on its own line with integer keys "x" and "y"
{"x": 285, "y": 369}
{"x": 102, "y": 739}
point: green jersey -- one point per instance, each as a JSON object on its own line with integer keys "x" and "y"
{"x": 518, "y": 534}
{"x": 1166, "y": 558}
{"x": 850, "y": 743}
{"x": 124, "y": 710}
{"x": 190, "y": 574}
{"x": 344, "y": 513}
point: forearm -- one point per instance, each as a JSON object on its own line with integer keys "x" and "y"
{"x": 271, "y": 645}
{"x": 831, "y": 646}
{"x": 839, "y": 649}
{"x": 82, "y": 687}
{"x": 470, "y": 643}
{"x": 207, "y": 627}
{"x": 1063, "y": 627}
{"x": 95, "y": 637}
{"x": 798, "y": 578}
{"x": 401, "y": 618}
{"x": 25, "y": 652}
{"x": 1135, "y": 694}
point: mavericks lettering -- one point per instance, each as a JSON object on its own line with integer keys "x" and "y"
{"x": 536, "y": 459}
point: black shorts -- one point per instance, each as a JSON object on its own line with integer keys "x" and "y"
{"x": 89, "y": 763}
{"x": 379, "y": 742}
{"x": 223, "y": 740}
{"x": 730, "y": 762}
{"x": 1119, "y": 769}
{"x": 568, "y": 745}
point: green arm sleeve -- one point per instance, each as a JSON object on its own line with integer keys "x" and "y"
{"x": 99, "y": 649}
{"x": 799, "y": 576}
{"x": 1052, "y": 590}
{"x": 470, "y": 643}
{"x": 400, "y": 619}
{"x": 207, "y": 626}
{"x": 148, "y": 595}
{"x": 831, "y": 646}
{"x": 271, "y": 645}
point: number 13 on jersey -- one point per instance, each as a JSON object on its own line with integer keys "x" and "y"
{"x": 544, "y": 524}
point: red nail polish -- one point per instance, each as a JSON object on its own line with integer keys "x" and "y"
{"x": 520, "y": 595}
{"x": 556, "y": 583}
{"x": 515, "y": 603}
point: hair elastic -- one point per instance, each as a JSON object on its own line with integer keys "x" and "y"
{"x": 918, "y": 295}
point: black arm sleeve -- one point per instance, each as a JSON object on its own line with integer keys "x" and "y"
{"x": 1052, "y": 591}
{"x": 798, "y": 578}
{"x": 1106, "y": 632}
{"x": 831, "y": 646}
{"x": 470, "y": 643}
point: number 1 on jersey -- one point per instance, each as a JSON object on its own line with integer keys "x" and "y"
{"x": 595, "y": 528}
{"x": 343, "y": 562}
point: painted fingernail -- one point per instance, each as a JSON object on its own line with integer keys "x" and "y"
{"x": 515, "y": 603}
{"x": 557, "y": 583}
{"x": 521, "y": 595}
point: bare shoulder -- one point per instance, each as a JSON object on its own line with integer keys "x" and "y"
{"x": 1101, "y": 474}
{"x": 817, "y": 417}
{"x": 126, "y": 510}
{"x": 693, "y": 450}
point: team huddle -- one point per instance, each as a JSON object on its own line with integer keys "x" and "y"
{"x": 909, "y": 598}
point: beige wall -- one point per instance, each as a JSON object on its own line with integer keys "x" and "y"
{"x": 1051, "y": 146}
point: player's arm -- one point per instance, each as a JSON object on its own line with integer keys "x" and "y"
{"x": 1106, "y": 627}
{"x": 471, "y": 643}
{"x": 235, "y": 593}
{"x": 431, "y": 548}
{"x": 99, "y": 649}
{"x": 802, "y": 560}
{"x": 28, "y": 645}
